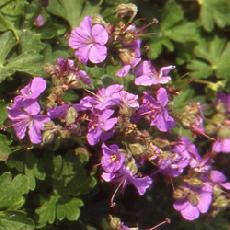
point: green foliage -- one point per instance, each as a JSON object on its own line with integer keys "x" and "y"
{"x": 212, "y": 58}
{"x": 214, "y": 12}
{"x": 173, "y": 27}
{"x": 48, "y": 186}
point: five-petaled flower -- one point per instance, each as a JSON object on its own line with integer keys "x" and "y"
{"x": 89, "y": 41}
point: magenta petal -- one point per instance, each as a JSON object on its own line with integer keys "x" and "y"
{"x": 34, "y": 134}
{"x": 180, "y": 205}
{"x": 97, "y": 53}
{"x": 20, "y": 128}
{"x": 205, "y": 200}
{"x": 108, "y": 176}
{"x": 123, "y": 71}
{"x": 190, "y": 213}
{"x": 217, "y": 177}
{"x": 109, "y": 124}
{"x": 226, "y": 186}
{"x": 162, "y": 96}
{"x": 86, "y": 25}
{"x": 145, "y": 80}
{"x": 99, "y": 34}
{"x": 83, "y": 53}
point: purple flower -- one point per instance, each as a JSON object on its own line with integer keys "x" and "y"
{"x": 225, "y": 99}
{"x": 155, "y": 110}
{"x": 196, "y": 200}
{"x": 101, "y": 126}
{"x": 129, "y": 99}
{"x": 112, "y": 158}
{"x": 25, "y": 115}
{"x": 124, "y": 177}
{"x": 32, "y": 91}
{"x": 39, "y": 21}
{"x": 105, "y": 98}
{"x": 128, "y": 67}
{"x": 66, "y": 67}
{"x": 188, "y": 151}
{"x": 147, "y": 75}
{"x": 218, "y": 178}
{"x": 184, "y": 153}
{"x": 59, "y": 111}
{"x": 221, "y": 146}
{"x": 89, "y": 41}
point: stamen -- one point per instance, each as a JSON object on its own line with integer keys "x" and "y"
{"x": 166, "y": 221}
{"x": 112, "y": 203}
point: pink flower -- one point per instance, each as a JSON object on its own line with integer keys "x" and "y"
{"x": 89, "y": 41}
{"x": 221, "y": 145}
{"x": 147, "y": 75}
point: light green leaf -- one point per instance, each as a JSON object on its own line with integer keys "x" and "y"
{"x": 3, "y": 114}
{"x": 29, "y": 165}
{"x": 172, "y": 28}
{"x": 15, "y": 220}
{"x": 212, "y": 59}
{"x": 71, "y": 10}
{"x": 69, "y": 209}
{"x": 47, "y": 212}
{"x": 31, "y": 42}
{"x": 5, "y": 150}
{"x": 7, "y": 42}
{"x": 214, "y": 12}
{"x": 12, "y": 191}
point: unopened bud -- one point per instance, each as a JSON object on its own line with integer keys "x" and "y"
{"x": 193, "y": 181}
{"x": 131, "y": 165}
{"x": 179, "y": 194}
{"x": 115, "y": 223}
{"x": 126, "y": 55}
{"x": 126, "y": 10}
{"x": 48, "y": 136}
{"x": 223, "y": 132}
{"x": 71, "y": 116}
{"x": 193, "y": 199}
{"x": 218, "y": 119}
{"x": 221, "y": 202}
{"x": 136, "y": 149}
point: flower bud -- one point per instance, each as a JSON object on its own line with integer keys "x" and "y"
{"x": 223, "y": 132}
{"x": 179, "y": 193}
{"x": 193, "y": 199}
{"x": 218, "y": 119}
{"x": 126, "y": 55}
{"x": 71, "y": 116}
{"x": 136, "y": 149}
{"x": 39, "y": 21}
{"x": 115, "y": 223}
{"x": 126, "y": 10}
{"x": 193, "y": 181}
{"x": 131, "y": 165}
{"x": 48, "y": 136}
{"x": 221, "y": 202}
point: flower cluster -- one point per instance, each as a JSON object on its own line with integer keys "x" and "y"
{"x": 130, "y": 129}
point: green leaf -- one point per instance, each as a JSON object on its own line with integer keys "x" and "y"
{"x": 7, "y": 25}
{"x": 71, "y": 10}
{"x": 31, "y": 41}
{"x": 181, "y": 100}
{"x": 7, "y": 42}
{"x": 15, "y": 220}
{"x": 47, "y": 212}
{"x": 3, "y": 114}
{"x": 12, "y": 191}
{"x": 29, "y": 165}
{"x": 212, "y": 59}
{"x": 214, "y": 12}
{"x": 5, "y": 149}
{"x": 69, "y": 208}
{"x": 172, "y": 28}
